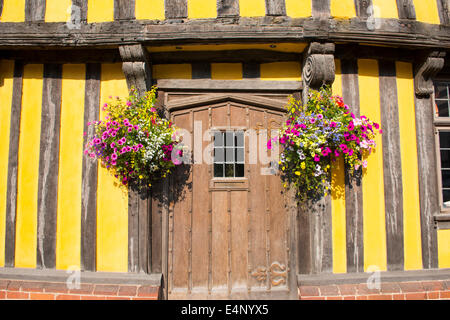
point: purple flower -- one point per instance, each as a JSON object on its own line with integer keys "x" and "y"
{"x": 128, "y": 103}
{"x": 333, "y": 124}
{"x": 312, "y": 120}
{"x": 351, "y": 126}
{"x": 316, "y": 158}
{"x": 319, "y": 116}
{"x": 114, "y": 157}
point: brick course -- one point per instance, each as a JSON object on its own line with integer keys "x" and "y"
{"x": 410, "y": 290}
{"x": 38, "y": 290}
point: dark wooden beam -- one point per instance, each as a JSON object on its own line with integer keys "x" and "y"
{"x": 444, "y": 11}
{"x": 406, "y": 9}
{"x": 362, "y": 8}
{"x": 275, "y": 8}
{"x": 176, "y": 9}
{"x": 227, "y": 8}
{"x": 35, "y": 10}
{"x": 49, "y": 167}
{"x": 251, "y": 70}
{"x": 321, "y": 8}
{"x": 392, "y": 166}
{"x": 1, "y": 7}
{"x": 348, "y": 51}
{"x": 63, "y": 56}
{"x": 80, "y": 7}
{"x": 89, "y": 172}
{"x": 124, "y": 9}
{"x": 201, "y": 70}
{"x": 11, "y": 193}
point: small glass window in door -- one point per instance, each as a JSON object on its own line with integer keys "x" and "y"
{"x": 229, "y": 154}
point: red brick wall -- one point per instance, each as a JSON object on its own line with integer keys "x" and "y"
{"x": 414, "y": 290}
{"x": 38, "y": 290}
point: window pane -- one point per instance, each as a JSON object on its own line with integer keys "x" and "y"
{"x": 239, "y": 139}
{"x": 239, "y": 170}
{"x": 218, "y": 155}
{"x": 229, "y": 154}
{"x": 440, "y": 90}
{"x": 446, "y": 178}
{"x": 229, "y": 137}
{"x": 446, "y": 197}
{"x": 442, "y": 108}
{"x": 229, "y": 170}
{"x": 218, "y": 139}
{"x": 240, "y": 155}
{"x": 445, "y": 159}
{"x": 444, "y": 139}
{"x": 218, "y": 170}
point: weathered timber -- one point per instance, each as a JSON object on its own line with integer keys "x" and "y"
{"x": 49, "y": 167}
{"x": 318, "y": 65}
{"x": 251, "y": 70}
{"x": 304, "y": 244}
{"x": 35, "y": 10}
{"x": 201, "y": 70}
{"x": 227, "y": 8}
{"x": 1, "y": 7}
{"x": 350, "y": 51}
{"x": 89, "y": 173}
{"x": 136, "y": 67}
{"x": 321, "y": 8}
{"x": 363, "y": 8}
{"x": 11, "y": 193}
{"x": 390, "y": 31}
{"x": 79, "y": 7}
{"x": 124, "y": 9}
{"x": 392, "y": 166}
{"x": 444, "y": 12}
{"x": 176, "y": 9}
{"x": 428, "y": 67}
{"x": 63, "y": 56}
{"x": 353, "y": 187}
{"x": 275, "y": 8}
{"x": 320, "y": 234}
{"x": 406, "y": 9}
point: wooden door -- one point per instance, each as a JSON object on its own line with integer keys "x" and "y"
{"x": 230, "y": 230}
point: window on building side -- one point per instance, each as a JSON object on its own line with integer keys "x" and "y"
{"x": 229, "y": 154}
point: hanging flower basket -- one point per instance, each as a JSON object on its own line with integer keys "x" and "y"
{"x": 317, "y": 134}
{"x": 133, "y": 141}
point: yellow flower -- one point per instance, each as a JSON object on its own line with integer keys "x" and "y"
{"x": 303, "y": 165}
{"x": 140, "y": 177}
{"x": 297, "y": 173}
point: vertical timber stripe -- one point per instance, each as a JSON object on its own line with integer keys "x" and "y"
{"x": 13, "y": 11}
{"x": 298, "y": 8}
{"x": 444, "y": 11}
{"x": 81, "y": 7}
{"x": 124, "y": 9}
{"x": 228, "y": 8}
{"x": 149, "y": 9}
{"x": 275, "y": 8}
{"x": 35, "y": 10}
{"x": 410, "y": 170}
{"x": 427, "y": 179}
{"x": 89, "y": 172}
{"x": 176, "y": 9}
{"x": 201, "y": 70}
{"x": 28, "y": 171}
{"x": 202, "y": 9}
{"x": 338, "y": 197}
{"x": 48, "y": 167}
{"x": 406, "y": 9}
{"x": 321, "y": 8}
{"x": 362, "y": 8}
{"x": 251, "y": 70}
{"x": 393, "y": 189}
{"x": 11, "y": 195}
{"x": 353, "y": 188}
{"x": 58, "y": 10}
{"x": 373, "y": 184}
{"x": 6, "y": 96}
{"x": 1, "y": 7}
{"x": 70, "y": 168}
{"x": 112, "y": 198}
{"x": 100, "y": 11}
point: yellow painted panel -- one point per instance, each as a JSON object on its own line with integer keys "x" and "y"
{"x": 298, "y": 8}
{"x": 13, "y": 11}
{"x": 343, "y": 9}
{"x": 252, "y": 8}
{"x": 100, "y": 11}
{"x": 68, "y": 250}
{"x": 198, "y": 9}
{"x": 6, "y": 88}
{"x": 338, "y": 220}
{"x": 150, "y": 9}
{"x": 172, "y": 71}
{"x": 28, "y": 171}
{"x": 282, "y": 47}
{"x": 427, "y": 11}
{"x": 443, "y": 237}
{"x": 385, "y": 9}
{"x": 281, "y": 71}
{"x": 112, "y": 198}
{"x": 58, "y": 10}
{"x": 226, "y": 71}
{"x": 373, "y": 185}
{"x": 410, "y": 171}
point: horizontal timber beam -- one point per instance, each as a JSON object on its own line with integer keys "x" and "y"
{"x": 387, "y": 32}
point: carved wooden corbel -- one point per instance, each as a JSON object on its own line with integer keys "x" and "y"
{"x": 426, "y": 70}
{"x": 136, "y": 67}
{"x": 318, "y": 65}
